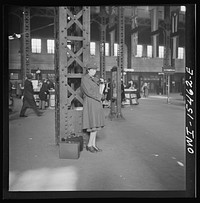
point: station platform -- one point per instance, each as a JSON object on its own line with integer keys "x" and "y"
{"x": 145, "y": 151}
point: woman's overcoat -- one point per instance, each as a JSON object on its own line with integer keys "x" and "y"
{"x": 93, "y": 115}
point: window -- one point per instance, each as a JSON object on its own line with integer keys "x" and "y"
{"x": 50, "y": 46}
{"x": 174, "y": 23}
{"x": 161, "y": 52}
{"x": 180, "y": 52}
{"x": 106, "y": 49}
{"x": 139, "y": 51}
{"x": 183, "y": 8}
{"x": 116, "y": 49}
{"x": 149, "y": 51}
{"x": 36, "y": 45}
{"x": 69, "y": 46}
{"x": 92, "y": 48}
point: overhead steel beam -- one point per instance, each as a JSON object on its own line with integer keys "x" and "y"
{"x": 47, "y": 12}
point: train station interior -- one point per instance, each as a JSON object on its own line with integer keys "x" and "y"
{"x": 143, "y": 141}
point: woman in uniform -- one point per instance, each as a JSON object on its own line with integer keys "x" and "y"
{"x": 93, "y": 115}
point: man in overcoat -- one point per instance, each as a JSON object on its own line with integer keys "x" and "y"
{"x": 28, "y": 97}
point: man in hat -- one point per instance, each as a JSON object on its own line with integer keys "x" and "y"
{"x": 28, "y": 99}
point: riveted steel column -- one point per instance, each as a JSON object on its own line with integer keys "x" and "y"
{"x": 112, "y": 27}
{"x": 72, "y": 53}
{"x": 154, "y": 31}
{"x": 134, "y": 34}
{"x": 26, "y": 40}
{"x": 175, "y": 36}
{"x": 120, "y": 69}
{"x": 102, "y": 42}
{"x": 56, "y": 62}
{"x": 167, "y": 53}
{"x": 112, "y": 41}
{"x": 62, "y": 61}
{"x": 86, "y": 35}
{"x": 167, "y": 50}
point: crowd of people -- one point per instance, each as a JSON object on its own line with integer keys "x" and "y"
{"x": 27, "y": 94}
{"x": 131, "y": 86}
{"x": 95, "y": 92}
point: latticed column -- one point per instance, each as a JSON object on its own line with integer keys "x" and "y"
{"x": 72, "y": 53}
{"x": 102, "y": 42}
{"x": 121, "y": 40}
{"x": 154, "y": 31}
{"x": 26, "y": 43}
{"x": 174, "y": 36}
{"x": 134, "y": 34}
{"x": 167, "y": 52}
{"x": 112, "y": 27}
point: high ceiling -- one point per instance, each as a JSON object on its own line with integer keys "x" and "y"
{"x": 42, "y": 19}
{"x": 46, "y": 14}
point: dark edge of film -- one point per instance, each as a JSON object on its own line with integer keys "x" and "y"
{"x": 190, "y": 101}
{"x": 190, "y": 133}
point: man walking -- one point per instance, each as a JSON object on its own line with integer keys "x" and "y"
{"x": 28, "y": 97}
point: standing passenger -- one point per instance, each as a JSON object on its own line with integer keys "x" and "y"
{"x": 122, "y": 92}
{"x": 43, "y": 94}
{"x": 146, "y": 90}
{"x": 93, "y": 115}
{"x": 19, "y": 90}
{"x": 107, "y": 91}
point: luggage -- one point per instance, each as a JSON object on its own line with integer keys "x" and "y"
{"x": 70, "y": 147}
{"x": 72, "y": 144}
{"x": 74, "y": 139}
{"x": 69, "y": 150}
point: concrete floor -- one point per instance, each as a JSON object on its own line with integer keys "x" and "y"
{"x": 145, "y": 151}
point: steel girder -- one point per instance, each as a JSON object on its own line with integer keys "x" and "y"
{"x": 72, "y": 32}
{"x": 121, "y": 41}
{"x": 154, "y": 31}
{"x": 167, "y": 50}
{"x": 103, "y": 16}
{"x": 26, "y": 41}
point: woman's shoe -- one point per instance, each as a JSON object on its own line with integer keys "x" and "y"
{"x": 90, "y": 149}
{"x": 97, "y": 149}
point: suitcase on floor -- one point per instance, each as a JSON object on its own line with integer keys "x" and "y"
{"x": 74, "y": 139}
{"x": 69, "y": 150}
